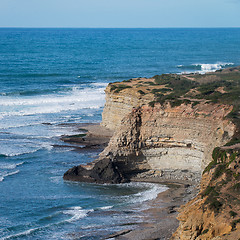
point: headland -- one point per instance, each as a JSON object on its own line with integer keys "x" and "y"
{"x": 181, "y": 129}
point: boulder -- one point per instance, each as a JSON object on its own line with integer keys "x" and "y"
{"x": 103, "y": 171}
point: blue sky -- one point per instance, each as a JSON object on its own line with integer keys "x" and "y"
{"x": 121, "y": 13}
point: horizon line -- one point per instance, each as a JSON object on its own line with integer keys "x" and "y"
{"x": 118, "y": 27}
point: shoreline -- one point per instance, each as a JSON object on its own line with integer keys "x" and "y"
{"x": 160, "y": 221}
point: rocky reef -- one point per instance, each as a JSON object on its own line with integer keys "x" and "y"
{"x": 169, "y": 127}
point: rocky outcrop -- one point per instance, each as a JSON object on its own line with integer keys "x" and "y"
{"x": 167, "y": 140}
{"x": 104, "y": 171}
{"x": 120, "y": 104}
{"x": 167, "y": 127}
{"x": 175, "y": 142}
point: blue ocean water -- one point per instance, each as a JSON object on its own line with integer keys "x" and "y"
{"x": 53, "y": 79}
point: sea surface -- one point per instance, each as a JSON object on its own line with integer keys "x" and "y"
{"x": 53, "y": 79}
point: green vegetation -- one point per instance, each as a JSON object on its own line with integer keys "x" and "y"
{"x": 119, "y": 87}
{"x": 129, "y": 80}
{"x": 212, "y": 198}
{"x": 152, "y": 104}
{"x": 221, "y": 87}
{"x": 236, "y": 187}
{"x": 161, "y": 90}
{"x": 205, "y": 231}
{"x": 82, "y": 130}
{"x": 215, "y": 204}
{"x": 223, "y": 175}
{"x": 175, "y": 87}
{"x": 234, "y": 224}
{"x": 150, "y": 83}
{"x": 141, "y": 92}
{"x": 233, "y": 214}
{"x": 233, "y": 141}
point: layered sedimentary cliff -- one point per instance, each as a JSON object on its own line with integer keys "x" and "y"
{"x": 168, "y": 127}
{"x": 119, "y": 104}
{"x": 174, "y": 142}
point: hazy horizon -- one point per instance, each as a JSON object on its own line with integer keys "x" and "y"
{"x": 119, "y": 14}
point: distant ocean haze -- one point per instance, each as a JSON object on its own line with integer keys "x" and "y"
{"x": 53, "y": 79}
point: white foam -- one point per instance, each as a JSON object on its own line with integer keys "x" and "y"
{"x": 147, "y": 191}
{"x": 77, "y": 213}
{"x": 19, "y": 146}
{"x": 148, "y": 194}
{"x": 106, "y": 207}
{"x": 8, "y": 174}
{"x": 212, "y": 67}
{"x": 16, "y": 148}
{"x": 9, "y": 165}
{"x": 100, "y": 84}
{"x": 73, "y": 100}
{"x": 203, "y": 68}
{"x": 56, "y": 179}
{"x": 21, "y": 234}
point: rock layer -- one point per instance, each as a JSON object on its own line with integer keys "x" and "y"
{"x": 168, "y": 139}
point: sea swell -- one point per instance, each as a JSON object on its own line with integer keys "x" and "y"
{"x": 202, "y": 68}
{"x": 7, "y": 174}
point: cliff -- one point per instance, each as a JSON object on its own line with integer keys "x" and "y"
{"x": 176, "y": 143}
{"x": 167, "y": 127}
{"x": 160, "y": 134}
{"x": 214, "y": 213}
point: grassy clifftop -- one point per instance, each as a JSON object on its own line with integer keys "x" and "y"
{"x": 221, "y": 87}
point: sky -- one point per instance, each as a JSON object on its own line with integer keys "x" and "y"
{"x": 120, "y": 13}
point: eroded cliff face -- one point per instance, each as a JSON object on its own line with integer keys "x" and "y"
{"x": 172, "y": 142}
{"x": 214, "y": 213}
{"x": 169, "y": 127}
{"x": 119, "y": 105}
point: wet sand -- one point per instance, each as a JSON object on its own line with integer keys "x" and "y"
{"x": 160, "y": 219}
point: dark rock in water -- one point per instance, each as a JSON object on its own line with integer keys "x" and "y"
{"x": 103, "y": 171}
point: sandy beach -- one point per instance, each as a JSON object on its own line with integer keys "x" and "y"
{"x": 160, "y": 221}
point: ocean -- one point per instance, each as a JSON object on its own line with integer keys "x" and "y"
{"x": 52, "y": 80}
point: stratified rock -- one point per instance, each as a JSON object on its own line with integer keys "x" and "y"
{"x": 215, "y": 212}
{"x": 103, "y": 171}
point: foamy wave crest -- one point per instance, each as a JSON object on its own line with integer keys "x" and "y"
{"x": 9, "y": 165}
{"x": 145, "y": 191}
{"x": 203, "y": 68}
{"x": 106, "y": 207}
{"x": 77, "y": 213}
{"x": 91, "y": 97}
{"x": 149, "y": 194}
{"x": 100, "y": 84}
{"x": 4, "y": 175}
{"x": 17, "y": 148}
{"x": 21, "y": 234}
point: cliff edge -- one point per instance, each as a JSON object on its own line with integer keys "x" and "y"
{"x": 167, "y": 127}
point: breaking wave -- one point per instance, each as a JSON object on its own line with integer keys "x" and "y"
{"x": 145, "y": 191}
{"x": 77, "y": 213}
{"x": 10, "y": 165}
{"x": 77, "y": 98}
{"x": 203, "y": 68}
{"x": 4, "y": 175}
